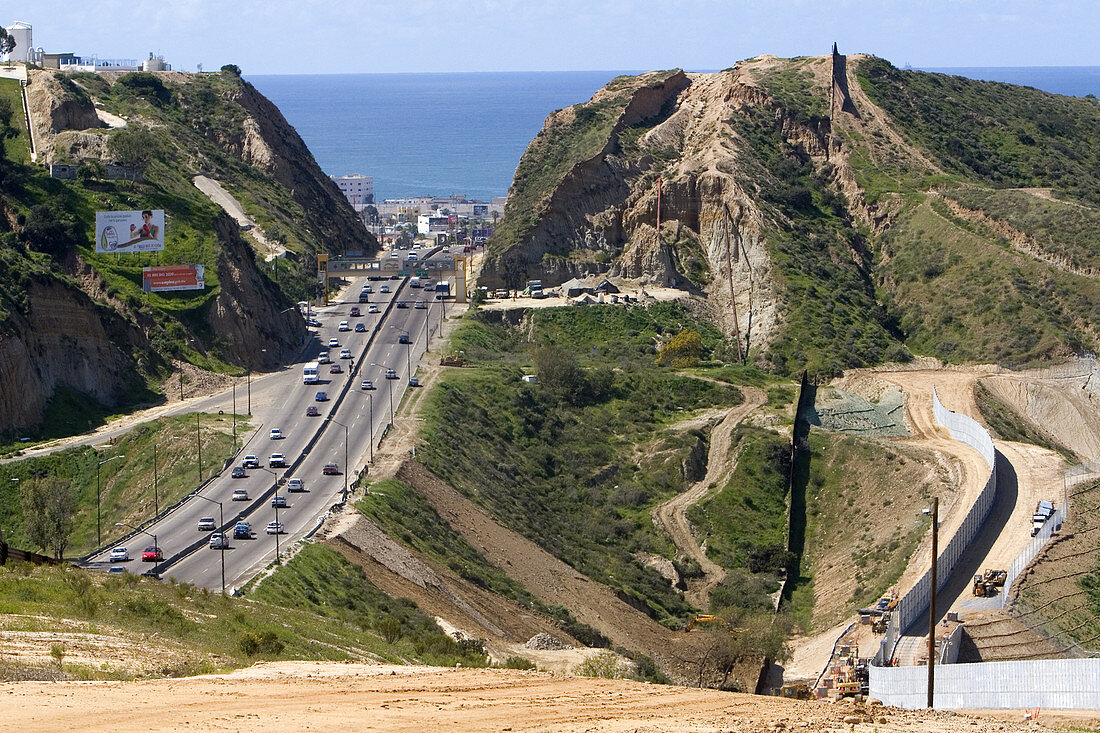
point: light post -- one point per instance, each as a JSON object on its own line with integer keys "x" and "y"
{"x": 198, "y": 443}
{"x": 139, "y": 529}
{"x": 370, "y": 424}
{"x": 221, "y": 525}
{"x": 935, "y": 512}
{"x": 234, "y": 417}
{"x": 98, "y": 485}
{"x": 275, "y": 505}
{"x": 346, "y": 467}
{"x": 389, "y": 390}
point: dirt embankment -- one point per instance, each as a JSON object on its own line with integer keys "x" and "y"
{"x": 333, "y": 696}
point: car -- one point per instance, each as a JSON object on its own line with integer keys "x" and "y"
{"x": 364, "y": 298}
{"x": 238, "y": 472}
{"x": 295, "y": 485}
{"x": 250, "y": 461}
{"x": 207, "y": 524}
{"x": 276, "y": 434}
{"x": 344, "y": 326}
{"x": 360, "y": 327}
{"x": 115, "y": 569}
{"x": 321, "y": 397}
{"x": 412, "y": 257}
{"x": 372, "y": 308}
{"x": 345, "y": 353}
{"x": 334, "y": 343}
{"x": 368, "y": 289}
{"x": 312, "y": 411}
{"x": 274, "y": 528}
{"x": 152, "y": 553}
{"x": 314, "y": 322}
{"x": 354, "y": 311}
{"x": 420, "y": 305}
{"x": 367, "y": 384}
{"x": 278, "y": 501}
{"x": 384, "y": 289}
{"x": 119, "y": 554}
{"x": 218, "y": 541}
{"x": 391, "y": 374}
{"x": 414, "y": 382}
{"x": 402, "y": 304}
{"x": 239, "y": 495}
{"x": 324, "y": 358}
{"x": 330, "y": 469}
{"x": 335, "y": 369}
{"x": 277, "y": 460}
{"x": 242, "y": 531}
{"x": 403, "y": 338}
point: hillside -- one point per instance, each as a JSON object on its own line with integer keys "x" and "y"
{"x": 859, "y": 214}
{"x": 79, "y": 329}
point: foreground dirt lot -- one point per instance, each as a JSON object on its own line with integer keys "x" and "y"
{"x": 328, "y": 696}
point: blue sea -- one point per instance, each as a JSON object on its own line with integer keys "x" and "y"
{"x": 438, "y": 134}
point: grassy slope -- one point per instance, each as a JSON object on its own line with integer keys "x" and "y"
{"x": 17, "y": 148}
{"x": 531, "y": 460}
{"x": 316, "y": 607}
{"x": 126, "y": 483}
{"x": 1007, "y": 424}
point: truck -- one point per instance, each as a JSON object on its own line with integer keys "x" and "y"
{"x": 414, "y": 282}
{"x": 1043, "y": 511}
{"x": 311, "y": 373}
{"x": 442, "y": 289}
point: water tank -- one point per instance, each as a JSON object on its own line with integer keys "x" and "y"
{"x": 24, "y": 41}
{"x": 154, "y": 63}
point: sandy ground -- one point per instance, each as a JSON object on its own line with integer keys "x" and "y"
{"x": 374, "y": 697}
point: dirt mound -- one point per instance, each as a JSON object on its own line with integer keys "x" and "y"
{"x": 335, "y": 696}
{"x": 545, "y": 642}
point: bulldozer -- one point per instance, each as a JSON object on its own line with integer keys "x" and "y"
{"x": 987, "y": 583}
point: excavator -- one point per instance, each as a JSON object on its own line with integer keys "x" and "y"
{"x": 702, "y": 618}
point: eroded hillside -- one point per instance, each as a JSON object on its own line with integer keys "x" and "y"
{"x": 858, "y": 213}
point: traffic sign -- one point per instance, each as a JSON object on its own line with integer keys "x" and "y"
{"x": 402, "y": 273}
{"x": 421, "y": 273}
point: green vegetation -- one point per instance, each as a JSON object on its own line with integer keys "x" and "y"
{"x": 526, "y": 453}
{"x": 791, "y": 86}
{"x": 1007, "y": 424}
{"x": 15, "y": 143}
{"x": 317, "y": 606}
{"x": 126, "y": 483}
{"x": 961, "y": 296}
{"x": 996, "y": 133}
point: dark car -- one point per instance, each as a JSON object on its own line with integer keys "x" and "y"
{"x": 354, "y": 311}
{"x": 312, "y": 411}
{"x": 242, "y": 531}
{"x": 330, "y": 469}
{"x": 335, "y": 369}
{"x": 239, "y": 472}
{"x": 360, "y": 327}
{"x": 321, "y": 397}
{"x": 364, "y": 298}
{"x": 403, "y": 338}
{"x": 402, "y": 304}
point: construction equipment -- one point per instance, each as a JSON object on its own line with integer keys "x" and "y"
{"x": 987, "y": 583}
{"x": 702, "y": 618}
{"x": 455, "y": 360}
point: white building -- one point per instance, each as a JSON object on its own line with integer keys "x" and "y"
{"x": 357, "y": 189}
{"x": 24, "y": 42}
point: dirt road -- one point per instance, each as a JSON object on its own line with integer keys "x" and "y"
{"x": 291, "y": 696}
{"x": 672, "y": 515}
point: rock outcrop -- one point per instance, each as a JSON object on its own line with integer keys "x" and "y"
{"x": 57, "y": 104}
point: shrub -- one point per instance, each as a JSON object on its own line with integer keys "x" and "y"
{"x": 606, "y": 665}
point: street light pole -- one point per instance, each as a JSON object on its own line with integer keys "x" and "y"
{"x": 98, "y": 487}
{"x": 389, "y": 389}
{"x": 221, "y": 525}
{"x": 346, "y": 467}
{"x": 139, "y": 529}
{"x": 234, "y": 417}
{"x": 198, "y": 442}
{"x": 932, "y": 604}
{"x": 156, "y": 501}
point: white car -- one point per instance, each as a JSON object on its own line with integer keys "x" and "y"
{"x": 119, "y": 554}
{"x": 345, "y": 353}
{"x": 277, "y": 434}
{"x": 384, "y": 289}
{"x": 207, "y": 524}
{"x": 367, "y": 384}
{"x": 344, "y": 326}
{"x": 372, "y": 308}
{"x": 277, "y": 460}
{"x": 295, "y": 485}
{"x": 238, "y": 495}
{"x": 369, "y": 289}
{"x": 334, "y": 343}
{"x": 419, "y": 305}
{"x": 274, "y": 528}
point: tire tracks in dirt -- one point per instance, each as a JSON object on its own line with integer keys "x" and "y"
{"x": 672, "y": 515}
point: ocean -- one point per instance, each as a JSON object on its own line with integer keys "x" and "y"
{"x": 438, "y": 134}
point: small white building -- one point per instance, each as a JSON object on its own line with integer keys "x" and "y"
{"x": 357, "y": 189}
{"x": 24, "y": 42}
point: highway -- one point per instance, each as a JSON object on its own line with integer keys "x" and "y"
{"x": 344, "y": 427}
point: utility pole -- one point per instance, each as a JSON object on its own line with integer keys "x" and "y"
{"x": 198, "y": 443}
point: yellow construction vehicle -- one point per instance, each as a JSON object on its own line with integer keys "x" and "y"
{"x": 702, "y": 618}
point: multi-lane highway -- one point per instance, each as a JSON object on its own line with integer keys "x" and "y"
{"x": 341, "y": 434}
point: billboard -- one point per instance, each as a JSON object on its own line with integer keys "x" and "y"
{"x": 177, "y": 277}
{"x": 481, "y": 209}
{"x": 129, "y": 231}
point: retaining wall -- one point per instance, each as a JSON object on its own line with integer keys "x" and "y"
{"x": 1046, "y": 683}
{"x": 913, "y": 604}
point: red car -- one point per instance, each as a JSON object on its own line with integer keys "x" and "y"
{"x": 330, "y": 469}
{"x": 312, "y": 411}
{"x": 335, "y": 369}
{"x": 354, "y": 311}
{"x": 152, "y": 553}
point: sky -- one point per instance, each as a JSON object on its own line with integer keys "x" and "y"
{"x": 365, "y": 36}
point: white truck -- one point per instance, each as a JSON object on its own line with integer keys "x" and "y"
{"x": 1043, "y": 511}
{"x": 311, "y": 373}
